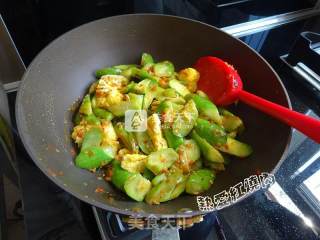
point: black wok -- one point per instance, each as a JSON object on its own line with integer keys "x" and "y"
{"x": 62, "y": 72}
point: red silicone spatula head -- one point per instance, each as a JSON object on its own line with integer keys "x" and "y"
{"x": 219, "y": 80}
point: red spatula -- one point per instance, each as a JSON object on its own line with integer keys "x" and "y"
{"x": 221, "y": 82}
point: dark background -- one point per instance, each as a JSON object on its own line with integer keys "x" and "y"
{"x": 35, "y": 23}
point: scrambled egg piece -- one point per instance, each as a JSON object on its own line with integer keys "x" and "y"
{"x": 108, "y": 90}
{"x": 190, "y": 77}
{"x": 134, "y": 163}
{"x": 110, "y": 138}
{"x": 109, "y": 141}
{"x": 108, "y": 82}
{"x": 121, "y": 153}
{"x": 93, "y": 87}
{"x": 80, "y": 130}
{"x": 108, "y": 130}
{"x": 114, "y": 97}
{"x": 155, "y": 133}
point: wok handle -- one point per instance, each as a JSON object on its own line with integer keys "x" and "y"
{"x": 305, "y": 124}
{"x": 165, "y": 234}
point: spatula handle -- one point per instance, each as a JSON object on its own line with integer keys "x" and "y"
{"x": 305, "y": 124}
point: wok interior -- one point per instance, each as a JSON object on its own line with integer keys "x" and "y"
{"x": 62, "y": 72}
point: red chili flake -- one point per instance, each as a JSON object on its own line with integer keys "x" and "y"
{"x": 154, "y": 88}
{"x": 73, "y": 152}
{"x": 188, "y": 145}
{"x": 52, "y": 173}
{"x": 163, "y": 82}
{"x": 51, "y": 147}
{"x": 99, "y": 190}
{"x": 164, "y": 171}
{"x": 108, "y": 174}
{"x": 80, "y": 134}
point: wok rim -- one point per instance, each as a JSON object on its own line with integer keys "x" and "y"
{"x": 22, "y": 133}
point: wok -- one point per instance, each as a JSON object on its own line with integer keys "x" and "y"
{"x": 63, "y": 71}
